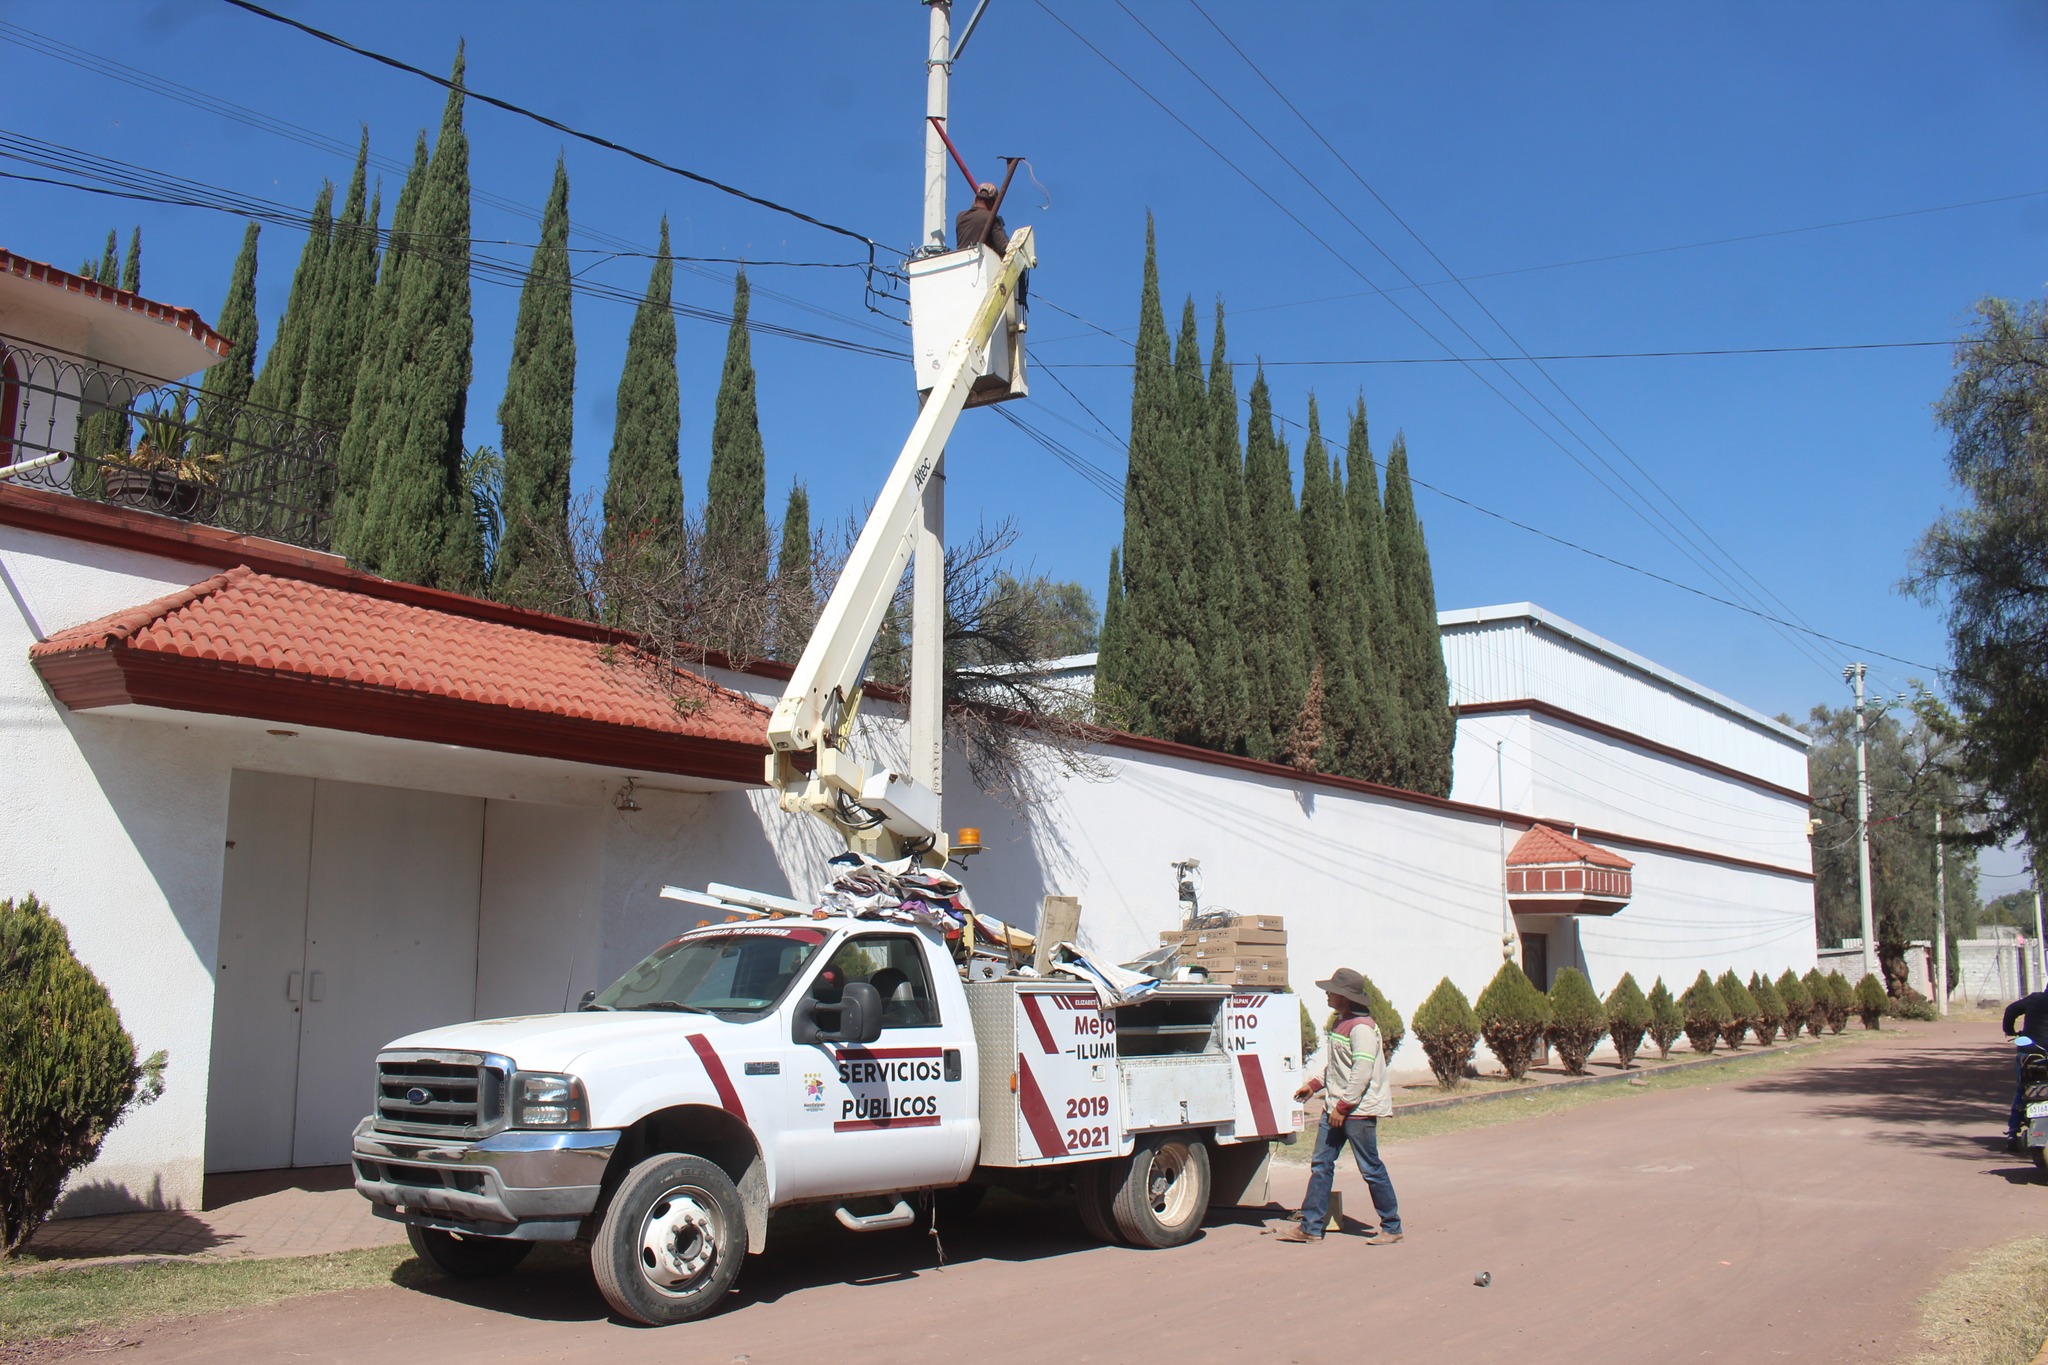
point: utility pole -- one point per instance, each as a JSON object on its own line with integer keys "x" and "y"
{"x": 1853, "y": 674}
{"x": 1940, "y": 916}
{"x": 928, "y": 560}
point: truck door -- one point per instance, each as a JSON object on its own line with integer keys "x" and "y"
{"x": 900, "y": 1113}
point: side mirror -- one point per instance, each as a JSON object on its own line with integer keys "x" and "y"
{"x": 2023, "y": 1041}
{"x": 860, "y": 1014}
{"x": 588, "y": 996}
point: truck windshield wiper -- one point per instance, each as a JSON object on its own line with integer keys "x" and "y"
{"x": 672, "y": 1005}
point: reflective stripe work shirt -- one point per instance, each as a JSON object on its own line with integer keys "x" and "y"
{"x": 1354, "y": 1069}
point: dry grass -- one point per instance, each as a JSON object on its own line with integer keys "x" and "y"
{"x": 42, "y": 1304}
{"x": 1995, "y": 1312}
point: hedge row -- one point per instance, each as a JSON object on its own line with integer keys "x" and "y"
{"x": 1514, "y": 1017}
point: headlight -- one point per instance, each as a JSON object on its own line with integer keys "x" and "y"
{"x": 546, "y": 1099}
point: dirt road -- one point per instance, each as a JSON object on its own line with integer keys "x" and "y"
{"x": 1800, "y": 1215}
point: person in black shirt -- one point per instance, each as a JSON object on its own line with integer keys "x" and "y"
{"x": 2031, "y": 1012}
{"x": 979, "y": 222}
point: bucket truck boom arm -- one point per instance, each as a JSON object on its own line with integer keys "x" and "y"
{"x": 811, "y": 765}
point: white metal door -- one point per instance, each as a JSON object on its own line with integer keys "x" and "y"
{"x": 259, "y": 973}
{"x": 391, "y": 943}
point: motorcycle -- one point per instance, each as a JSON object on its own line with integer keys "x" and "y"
{"x": 2033, "y": 1133}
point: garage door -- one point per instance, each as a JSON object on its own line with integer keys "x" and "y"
{"x": 348, "y": 918}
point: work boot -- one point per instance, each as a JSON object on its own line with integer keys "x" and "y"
{"x": 1297, "y": 1233}
{"x": 1382, "y": 1238}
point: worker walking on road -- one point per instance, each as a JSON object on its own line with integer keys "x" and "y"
{"x": 1355, "y": 1099}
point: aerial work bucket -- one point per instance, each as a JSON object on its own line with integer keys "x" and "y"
{"x": 944, "y": 292}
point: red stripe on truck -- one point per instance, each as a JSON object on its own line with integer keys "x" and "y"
{"x": 728, "y": 1098}
{"x": 1255, "y": 1090}
{"x": 1038, "y": 1026}
{"x": 1037, "y": 1115}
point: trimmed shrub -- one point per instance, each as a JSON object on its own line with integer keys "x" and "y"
{"x": 1841, "y": 1001}
{"x": 1706, "y": 1014}
{"x": 1770, "y": 1008}
{"x": 1512, "y": 1014}
{"x": 1742, "y": 1008}
{"x": 1910, "y": 1004}
{"x": 1667, "y": 1020}
{"x": 1628, "y": 1018}
{"x": 1870, "y": 1001}
{"x": 71, "y": 1069}
{"x": 1577, "y": 1020}
{"x": 1449, "y": 1031}
{"x": 1820, "y": 1011}
{"x": 1798, "y": 1003}
{"x": 1385, "y": 1018}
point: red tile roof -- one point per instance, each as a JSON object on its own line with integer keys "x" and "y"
{"x": 255, "y": 644}
{"x": 1544, "y": 845}
{"x": 186, "y": 320}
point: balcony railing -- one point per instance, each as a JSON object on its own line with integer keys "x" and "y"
{"x": 111, "y": 436}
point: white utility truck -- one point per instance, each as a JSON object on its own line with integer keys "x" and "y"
{"x": 782, "y": 1053}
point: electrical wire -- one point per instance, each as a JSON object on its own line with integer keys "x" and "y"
{"x": 1487, "y": 359}
{"x": 1639, "y": 503}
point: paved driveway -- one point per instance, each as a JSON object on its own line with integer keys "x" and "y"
{"x": 1796, "y": 1216}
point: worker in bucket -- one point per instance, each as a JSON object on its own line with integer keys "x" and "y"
{"x": 1355, "y": 1098}
{"x": 979, "y": 223}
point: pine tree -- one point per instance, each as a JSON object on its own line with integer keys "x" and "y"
{"x": 1155, "y": 665}
{"x": 131, "y": 269}
{"x": 348, "y": 279}
{"x": 643, "y": 496}
{"x": 1280, "y": 643}
{"x": 375, "y": 372}
{"x": 1223, "y": 556}
{"x": 1385, "y": 733}
{"x": 1425, "y": 690}
{"x": 537, "y": 417}
{"x": 735, "y": 552}
{"x": 1330, "y": 551}
{"x": 227, "y": 384}
{"x": 284, "y": 366}
{"x": 796, "y": 590}
{"x": 413, "y": 525}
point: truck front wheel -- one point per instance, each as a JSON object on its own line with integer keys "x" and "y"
{"x": 671, "y": 1241}
{"x": 1165, "y": 1192}
{"x": 466, "y": 1258}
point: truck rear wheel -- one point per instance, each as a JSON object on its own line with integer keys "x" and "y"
{"x": 1095, "y": 1187}
{"x": 671, "y": 1242}
{"x": 464, "y": 1257}
{"x": 1162, "y": 1198}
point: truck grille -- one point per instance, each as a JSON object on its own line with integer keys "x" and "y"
{"x": 442, "y": 1094}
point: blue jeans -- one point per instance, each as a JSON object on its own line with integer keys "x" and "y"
{"x": 1363, "y": 1136}
{"x": 2019, "y": 1096}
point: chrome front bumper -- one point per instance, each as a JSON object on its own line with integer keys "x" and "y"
{"x": 529, "y": 1185}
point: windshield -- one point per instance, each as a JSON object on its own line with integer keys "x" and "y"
{"x": 743, "y": 970}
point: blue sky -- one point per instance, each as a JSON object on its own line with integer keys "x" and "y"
{"x": 1508, "y": 136}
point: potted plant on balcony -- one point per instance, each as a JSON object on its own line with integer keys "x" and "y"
{"x": 161, "y": 471}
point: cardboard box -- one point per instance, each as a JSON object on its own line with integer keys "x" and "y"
{"x": 1270, "y": 980}
{"x": 1240, "y": 934}
{"x": 1178, "y": 935}
{"x": 1262, "y": 923}
{"x": 1244, "y": 959}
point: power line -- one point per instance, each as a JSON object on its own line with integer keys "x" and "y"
{"x": 1684, "y": 542}
{"x": 560, "y": 127}
{"x": 1495, "y": 360}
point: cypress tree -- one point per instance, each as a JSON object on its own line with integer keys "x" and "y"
{"x": 1188, "y": 710}
{"x": 1330, "y": 552}
{"x": 643, "y": 495}
{"x": 1280, "y": 642}
{"x": 1109, "y": 651}
{"x": 284, "y": 367}
{"x": 227, "y": 384}
{"x": 1425, "y": 689}
{"x": 109, "y": 272}
{"x": 1223, "y": 556}
{"x": 735, "y": 553}
{"x": 374, "y": 373}
{"x": 131, "y": 270}
{"x": 413, "y": 525}
{"x": 1157, "y": 508}
{"x": 796, "y": 590}
{"x": 1384, "y": 737}
{"x": 537, "y": 417}
{"x": 348, "y": 279}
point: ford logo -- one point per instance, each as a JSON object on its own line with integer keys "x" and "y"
{"x": 419, "y": 1095}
